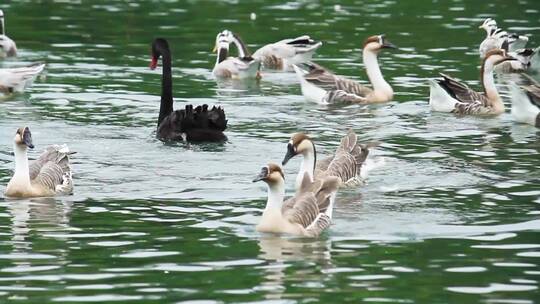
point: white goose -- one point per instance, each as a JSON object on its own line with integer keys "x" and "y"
{"x": 282, "y": 54}
{"x": 525, "y": 60}
{"x": 346, "y": 163}
{"x": 526, "y": 103}
{"x": 452, "y": 96}
{"x": 17, "y": 79}
{"x": 322, "y": 86}
{"x": 7, "y": 46}
{"x": 496, "y": 36}
{"x": 49, "y": 175}
{"x": 233, "y": 67}
{"x": 308, "y": 213}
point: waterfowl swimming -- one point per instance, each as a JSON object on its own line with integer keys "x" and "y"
{"x": 17, "y": 79}
{"x": 7, "y": 46}
{"x": 322, "y": 86}
{"x": 241, "y": 67}
{"x": 49, "y": 175}
{"x": 189, "y": 124}
{"x": 450, "y": 95}
{"x": 524, "y": 61}
{"x": 526, "y": 103}
{"x": 345, "y": 164}
{"x": 308, "y": 213}
{"x": 496, "y": 36}
{"x": 283, "y": 54}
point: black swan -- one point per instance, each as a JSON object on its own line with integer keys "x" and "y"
{"x": 193, "y": 124}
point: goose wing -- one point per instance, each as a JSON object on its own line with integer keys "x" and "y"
{"x": 461, "y": 92}
{"x": 287, "y": 48}
{"x": 533, "y": 92}
{"x": 52, "y": 169}
{"x": 349, "y": 158}
{"x": 16, "y": 79}
{"x": 302, "y": 209}
{"x": 322, "y": 164}
{"x": 310, "y": 208}
{"x": 324, "y": 78}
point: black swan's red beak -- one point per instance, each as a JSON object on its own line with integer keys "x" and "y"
{"x": 153, "y": 63}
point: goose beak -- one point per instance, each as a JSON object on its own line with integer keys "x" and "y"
{"x": 290, "y": 154}
{"x": 27, "y": 139}
{"x": 214, "y": 49}
{"x": 389, "y": 45}
{"x": 259, "y": 177}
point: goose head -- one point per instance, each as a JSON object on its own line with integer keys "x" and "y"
{"x": 495, "y": 57}
{"x": 489, "y": 25}
{"x": 159, "y": 47}
{"x": 299, "y": 143}
{"x": 377, "y": 43}
{"x": 23, "y": 138}
{"x": 223, "y": 39}
{"x": 271, "y": 174}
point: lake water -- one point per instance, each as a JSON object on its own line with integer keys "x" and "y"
{"x": 450, "y": 215}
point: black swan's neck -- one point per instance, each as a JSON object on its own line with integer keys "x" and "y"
{"x": 166, "y": 107}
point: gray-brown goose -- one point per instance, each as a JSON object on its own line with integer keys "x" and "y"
{"x": 49, "y": 175}
{"x": 308, "y": 213}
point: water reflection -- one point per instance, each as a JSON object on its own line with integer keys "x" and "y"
{"x": 280, "y": 251}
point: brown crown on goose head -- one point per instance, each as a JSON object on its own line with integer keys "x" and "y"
{"x": 270, "y": 174}
{"x": 24, "y": 137}
{"x": 378, "y": 42}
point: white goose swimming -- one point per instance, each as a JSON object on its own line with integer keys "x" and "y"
{"x": 49, "y": 175}
{"x": 346, "y": 163}
{"x": 525, "y": 59}
{"x": 452, "y": 96}
{"x": 282, "y": 54}
{"x": 17, "y": 79}
{"x": 526, "y": 103}
{"x": 496, "y": 36}
{"x": 308, "y": 213}
{"x": 241, "y": 67}
{"x": 7, "y": 46}
{"x": 322, "y": 86}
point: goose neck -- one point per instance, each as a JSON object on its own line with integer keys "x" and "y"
{"x": 276, "y": 193}
{"x": 242, "y": 48}
{"x": 374, "y": 72}
{"x": 307, "y": 166}
{"x": 488, "y": 82}
{"x": 22, "y": 171}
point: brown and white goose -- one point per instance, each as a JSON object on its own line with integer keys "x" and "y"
{"x": 526, "y": 103}
{"x": 452, "y": 96}
{"x": 308, "y": 213}
{"x": 322, "y": 86}
{"x": 7, "y": 46}
{"x": 49, "y": 175}
{"x": 346, "y": 163}
{"x": 241, "y": 67}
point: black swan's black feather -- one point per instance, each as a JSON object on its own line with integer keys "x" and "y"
{"x": 197, "y": 124}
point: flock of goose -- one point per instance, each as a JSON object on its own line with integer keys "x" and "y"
{"x": 309, "y": 211}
